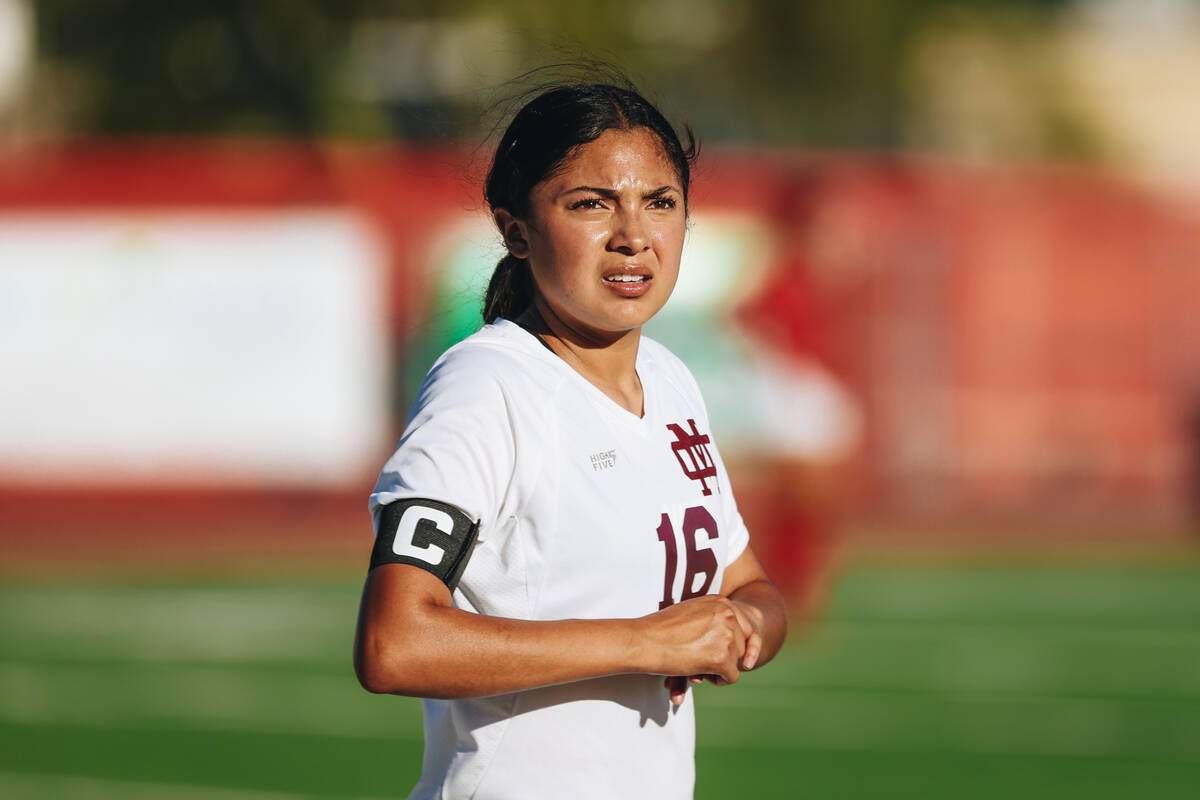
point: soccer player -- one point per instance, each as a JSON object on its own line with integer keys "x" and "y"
{"x": 558, "y": 555}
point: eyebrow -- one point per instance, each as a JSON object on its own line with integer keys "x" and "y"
{"x": 606, "y": 192}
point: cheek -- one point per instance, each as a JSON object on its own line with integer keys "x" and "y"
{"x": 560, "y": 259}
{"x": 669, "y": 243}
{"x": 570, "y": 246}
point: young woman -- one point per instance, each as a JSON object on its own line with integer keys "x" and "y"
{"x": 558, "y": 554}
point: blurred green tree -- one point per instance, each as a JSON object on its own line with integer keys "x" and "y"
{"x": 766, "y": 71}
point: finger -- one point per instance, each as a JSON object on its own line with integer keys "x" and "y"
{"x": 743, "y": 620}
{"x": 739, "y": 643}
{"x": 727, "y": 674}
{"x": 753, "y": 649}
{"x": 677, "y": 687}
{"x": 744, "y": 629}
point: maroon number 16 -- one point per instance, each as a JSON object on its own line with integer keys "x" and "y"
{"x": 699, "y": 559}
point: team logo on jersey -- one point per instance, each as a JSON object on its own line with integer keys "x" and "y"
{"x": 691, "y": 450}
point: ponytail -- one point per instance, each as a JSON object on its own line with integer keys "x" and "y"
{"x": 510, "y": 291}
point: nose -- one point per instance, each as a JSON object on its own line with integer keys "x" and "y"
{"x": 630, "y": 235}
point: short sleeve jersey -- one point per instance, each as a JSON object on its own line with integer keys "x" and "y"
{"x": 585, "y": 511}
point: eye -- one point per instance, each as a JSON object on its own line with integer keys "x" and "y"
{"x": 587, "y": 202}
{"x": 665, "y": 203}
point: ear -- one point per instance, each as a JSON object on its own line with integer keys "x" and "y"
{"x": 513, "y": 232}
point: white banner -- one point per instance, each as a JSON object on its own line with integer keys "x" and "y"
{"x": 226, "y": 348}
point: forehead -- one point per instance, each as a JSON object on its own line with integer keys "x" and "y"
{"x": 618, "y": 157}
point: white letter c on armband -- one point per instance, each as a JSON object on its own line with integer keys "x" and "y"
{"x": 403, "y": 544}
{"x": 428, "y": 534}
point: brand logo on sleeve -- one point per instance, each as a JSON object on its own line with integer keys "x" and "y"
{"x": 691, "y": 450}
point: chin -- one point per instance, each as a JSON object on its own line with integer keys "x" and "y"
{"x": 628, "y": 322}
{"x": 619, "y": 318}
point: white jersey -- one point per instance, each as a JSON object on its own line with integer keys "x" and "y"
{"x": 585, "y": 511}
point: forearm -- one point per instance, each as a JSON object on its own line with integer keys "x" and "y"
{"x": 412, "y": 641}
{"x": 450, "y": 653}
{"x": 761, "y": 599}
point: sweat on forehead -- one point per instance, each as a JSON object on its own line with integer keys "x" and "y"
{"x": 571, "y": 160}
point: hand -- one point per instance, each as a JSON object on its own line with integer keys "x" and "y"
{"x": 750, "y": 623}
{"x": 701, "y": 636}
{"x": 750, "y": 618}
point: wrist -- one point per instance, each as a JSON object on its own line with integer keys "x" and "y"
{"x": 635, "y": 654}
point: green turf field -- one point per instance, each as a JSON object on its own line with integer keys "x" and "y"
{"x": 981, "y": 681}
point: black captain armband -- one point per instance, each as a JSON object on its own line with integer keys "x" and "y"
{"x": 437, "y": 537}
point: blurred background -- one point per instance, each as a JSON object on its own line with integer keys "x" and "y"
{"x": 940, "y": 290}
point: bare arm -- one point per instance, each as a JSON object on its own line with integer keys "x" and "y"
{"x": 411, "y": 640}
{"x": 747, "y": 585}
{"x": 762, "y": 616}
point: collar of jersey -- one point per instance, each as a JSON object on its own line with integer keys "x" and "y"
{"x": 539, "y": 349}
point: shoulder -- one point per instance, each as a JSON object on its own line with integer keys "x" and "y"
{"x": 494, "y": 349}
{"x": 479, "y": 405}
{"x": 498, "y": 359}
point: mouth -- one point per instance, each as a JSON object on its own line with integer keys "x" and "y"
{"x": 628, "y": 280}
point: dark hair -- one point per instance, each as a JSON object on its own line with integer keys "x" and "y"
{"x": 542, "y": 136}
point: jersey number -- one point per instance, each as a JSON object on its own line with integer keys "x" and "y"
{"x": 699, "y": 559}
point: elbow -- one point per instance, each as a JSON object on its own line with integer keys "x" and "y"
{"x": 379, "y": 666}
{"x": 395, "y": 643}
{"x": 374, "y": 679}
{"x": 372, "y": 670}
{"x": 395, "y": 665}
{"x": 391, "y": 668}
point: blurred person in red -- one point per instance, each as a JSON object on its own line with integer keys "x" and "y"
{"x": 750, "y": 322}
{"x": 799, "y": 483}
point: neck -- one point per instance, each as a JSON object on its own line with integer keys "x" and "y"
{"x": 607, "y": 361}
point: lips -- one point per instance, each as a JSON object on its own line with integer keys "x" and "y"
{"x": 629, "y": 280}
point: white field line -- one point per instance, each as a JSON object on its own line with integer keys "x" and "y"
{"x": 232, "y": 643}
{"x": 215, "y": 624}
{"x": 69, "y": 787}
{"x": 247, "y": 623}
{"x": 844, "y": 738}
{"x": 359, "y": 733}
{"x": 744, "y": 716}
{"x": 69, "y": 692}
{"x": 1082, "y": 634}
{"x": 978, "y": 723}
{"x": 743, "y": 696}
{"x": 1029, "y": 591}
{"x": 202, "y": 698}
